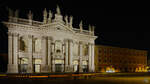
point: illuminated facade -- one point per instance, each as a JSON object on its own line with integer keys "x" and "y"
{"x": 148, "y": 66}
{"x": 115, "y": 59}
{"x": 49, "y": 46}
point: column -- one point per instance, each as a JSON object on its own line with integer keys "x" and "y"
{"x": 10, "y": 52}
{"x": 92, "y": 58}
{"x": 63, "y": 52}
{"x": 70, "y": 55}
{"x": 66, "y": 55}
{"x": 30, "y": 54}
{"x": 15, "y": 52}
{"x": 53, "y": 60}
{"x": 80, "y": 55}
{"x": 44, "y": 66}
{"x": 89, "y": 58}
{"x": 49, "y": 54}
{"x": 62, "y": 70}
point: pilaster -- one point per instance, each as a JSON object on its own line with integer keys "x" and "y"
{"x": 66, "y": 56}
{"x": 89, "y": 58}
{"x": 70, "y": 55}
{"x": 92, "y": 58}
{"x": 30, "y": 54}
{"x": 80, "y": 54}
{"x": 52, "y": 57}
{"x": 44, "y": 66}
{"x": 49, "y": 54}
{"x": 10, "y": 46}
{"x": 10, "y": 51}
{"x": 15, "y": 53}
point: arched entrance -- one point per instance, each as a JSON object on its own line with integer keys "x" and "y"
{"x": 85, "y": 66}
{"x": 37, "y": 65}
{"x": 75, "y": 66}
{"x": 23, "y": 65}
{"x": 59, "y": 65}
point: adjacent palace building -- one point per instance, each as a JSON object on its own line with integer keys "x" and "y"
{"x": 52, "y": 45}
{"x": 115, "y": 59}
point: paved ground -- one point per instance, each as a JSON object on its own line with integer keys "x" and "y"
{"x": 97, "y": 80}
{"x": 105, "y": 79}
{"x": 122, "y": 80}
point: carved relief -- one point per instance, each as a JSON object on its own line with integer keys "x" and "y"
{"x": 85, "y": 50}
{"x": 23, "y": 44}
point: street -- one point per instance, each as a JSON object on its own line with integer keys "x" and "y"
{"x": 134, "y": 79}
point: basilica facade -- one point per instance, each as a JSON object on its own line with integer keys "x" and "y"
{"x": 52, "y": 45}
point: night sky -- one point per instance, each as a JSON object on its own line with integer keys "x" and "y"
{"x": 115, "y": 27}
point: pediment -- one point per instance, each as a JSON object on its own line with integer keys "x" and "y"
{"x": 63, "y": 28}
{"x": 59, "y": 27}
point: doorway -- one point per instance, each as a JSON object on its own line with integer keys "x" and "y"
{"x": 85, "y": 68}
{"x": 23, "y": 68}
{"x": 76, "y": 68}
{"x": 37, "y": 68}
{"x": 37, "y": 65}
{"x": 58, "y": 67}
{"x": 23, "y": 65}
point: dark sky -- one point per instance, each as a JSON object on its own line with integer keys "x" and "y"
{"x": 116, "y": 27}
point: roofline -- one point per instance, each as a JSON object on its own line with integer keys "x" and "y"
{"x": 122, "y": 47}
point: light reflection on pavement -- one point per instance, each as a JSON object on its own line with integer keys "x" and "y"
{"x": 123, "y": 80}
{"x": 100, "y": 79}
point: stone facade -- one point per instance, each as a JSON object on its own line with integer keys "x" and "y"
{"x": 115, "y": 59}
{"x": 49, "y": 46}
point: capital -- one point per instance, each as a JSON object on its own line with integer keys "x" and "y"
{"x": 70, "y": 40}
{"x": 92, "y": 44}
{"x": 50, "y": 38}
{"x": 44, "y": 37}
{"x": 89, "y": 43}
{"x": 16, "y": 34}
{"x": 80, "y": 42}
{"x": 66, "y": 40}
{"x": 30, "y": 36}
{"x": 9, "y": 33}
